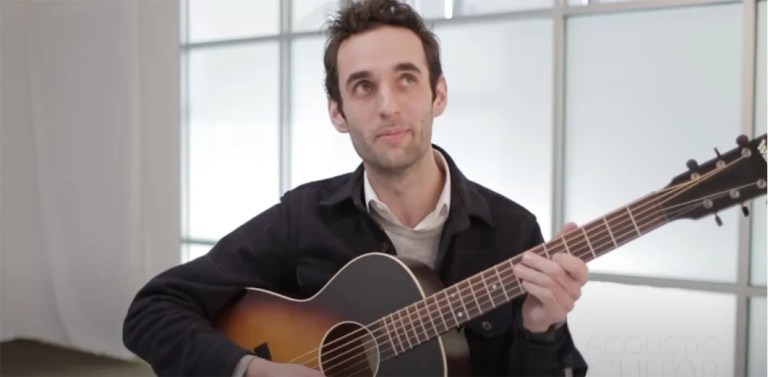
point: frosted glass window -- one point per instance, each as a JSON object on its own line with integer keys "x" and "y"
{"x": 758, "y": 263}
{"x": 190, "y": 251}
{"x": 756, "y": 360}
{"x": 318, "y": 151}
{"x": 624, "y": 330}
{"x": 311, "y": 15}
{"x": 577, "y": 2}
{"x": 645, "y": 92}
{"x": 498, "y": 122}
{"x": 432, "y": 9}
{"x": 584, "y": 2}
{"x": 233, "y": 137}
{"x": 470, "y": 7}
{"x": 227, "y": 19}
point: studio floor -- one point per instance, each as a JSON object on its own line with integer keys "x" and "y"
{"x": 28, "y": 358}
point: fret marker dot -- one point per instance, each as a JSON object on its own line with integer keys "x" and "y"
{"x": 460, "y": 314}
{"x": 494, "y": 286}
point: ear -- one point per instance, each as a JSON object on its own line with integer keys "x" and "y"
{"x": 441, "y": 97}
{"x": 337, "y": 118}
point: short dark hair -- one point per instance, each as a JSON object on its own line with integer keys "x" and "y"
{"x": 363, "y": 15}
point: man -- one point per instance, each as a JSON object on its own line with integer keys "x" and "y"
{"x": 385, "y": 85}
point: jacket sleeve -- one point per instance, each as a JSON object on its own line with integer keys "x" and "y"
{"x": 168, "y": 323}
{"x": 542, "y": 357}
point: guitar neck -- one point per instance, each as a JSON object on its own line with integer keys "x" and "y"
{"x": 470, "y": 298}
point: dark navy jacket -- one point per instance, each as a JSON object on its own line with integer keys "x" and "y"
{"x": 296, "y": 246}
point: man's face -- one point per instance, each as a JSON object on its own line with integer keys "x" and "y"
{"x": 386, "y": 97}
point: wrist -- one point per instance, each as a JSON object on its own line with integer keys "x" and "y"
{"x": 536, "y": 327}
{"x": 543, "y": 335}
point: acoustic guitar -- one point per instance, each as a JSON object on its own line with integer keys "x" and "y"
{"x": 402, "y": 325}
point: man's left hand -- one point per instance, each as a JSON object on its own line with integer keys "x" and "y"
{"x": 553, "y": 286}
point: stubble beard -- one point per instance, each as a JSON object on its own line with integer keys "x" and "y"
{"x": 397, "y": 161}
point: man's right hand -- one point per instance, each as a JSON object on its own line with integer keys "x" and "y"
{"x": 259, "y": 367}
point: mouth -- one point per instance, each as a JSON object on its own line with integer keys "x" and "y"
{"x": 392, "y": 135}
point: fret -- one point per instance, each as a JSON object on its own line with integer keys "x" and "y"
{"x": 444, "y": 317}
{"x": 461, "y": 300}
{"x": 413, "y": 324}
{"x": 397, "y": 335}
{"x": 519, "y": 284}
{"x": 471, "y": 284}
{"x": 600, "y": 237}
{"x": 431, "y": 316}
{"x": 405, "y": 330}
{"x": 631, "y": 217}
{"x": 490, "y": 295}
{"x": 501, "y": 283}
{"x": 621, "y": 225}
{"x": 421, "y": 321}
{"x": 450, "y": 307}
{"x": 605, "y": 221}
{"x": 651, "y": 217}
{"x": 591, "y": 249}
{"x": 546, "y": 252}
{"x": 567, "y": 249}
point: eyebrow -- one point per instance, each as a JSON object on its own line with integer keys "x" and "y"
{"x": 400, "y": 67}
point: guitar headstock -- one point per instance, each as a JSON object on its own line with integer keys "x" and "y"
{"x": 730, "y": 179}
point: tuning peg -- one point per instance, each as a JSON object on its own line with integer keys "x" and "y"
{"x": 745, "y": 210}
{"x": 692, "y": 165}
{"x": 718, "y": 220}
{"x": 718, "y": 153}
{"x": 742, "y": 140}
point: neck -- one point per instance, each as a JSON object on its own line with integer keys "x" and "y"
{"x": 413, "y": 193}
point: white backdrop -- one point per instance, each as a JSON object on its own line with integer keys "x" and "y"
{"x": 90, "y": 164}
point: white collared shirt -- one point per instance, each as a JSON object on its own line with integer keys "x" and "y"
{"x": 422, "y": 241}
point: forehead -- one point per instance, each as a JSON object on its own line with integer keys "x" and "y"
{"x": 379, "y": 50}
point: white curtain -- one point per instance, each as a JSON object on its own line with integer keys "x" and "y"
{"x": 87, "y": 195}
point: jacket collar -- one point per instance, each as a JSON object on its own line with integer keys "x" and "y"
{"x": 466, "y": 200}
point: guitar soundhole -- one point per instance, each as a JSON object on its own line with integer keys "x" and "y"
{"x": 349, "y": 349}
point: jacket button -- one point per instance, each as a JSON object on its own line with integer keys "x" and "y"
{"x": 487, "y": 325}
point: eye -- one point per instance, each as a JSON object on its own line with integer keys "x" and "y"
{"x": 408, "y": 79}
{"x": 363, "y": 87}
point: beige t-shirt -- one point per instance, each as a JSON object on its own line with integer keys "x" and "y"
{"x": 422, "y": 241}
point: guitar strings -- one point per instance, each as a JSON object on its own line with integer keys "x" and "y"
{"x": 397, "y": 327}
{"x": 402, "y": 326}
{"x": 671, "y": 191}
{"x": 471, "y": 288}
{"x": 312, "y": 353}
{"x": 491, "y": 301}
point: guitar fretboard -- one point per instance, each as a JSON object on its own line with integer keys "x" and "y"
{"x": 470, "y": 298}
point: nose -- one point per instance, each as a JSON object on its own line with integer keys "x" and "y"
{"x": 387, "y": 101}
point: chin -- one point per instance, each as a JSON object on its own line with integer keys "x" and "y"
{"x": 395, "y": 163}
